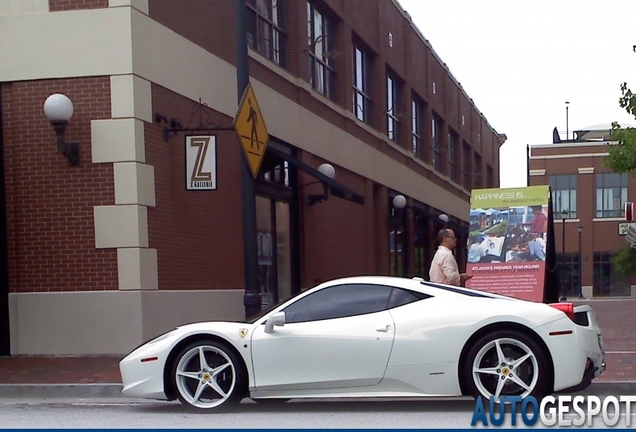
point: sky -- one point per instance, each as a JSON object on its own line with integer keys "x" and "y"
{"x": 521, "y": 61}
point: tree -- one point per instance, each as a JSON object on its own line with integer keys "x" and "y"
{"x": 624, "y": 260}
{"x": 622, "y": 157}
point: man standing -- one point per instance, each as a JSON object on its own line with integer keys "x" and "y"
{"x": 444, "y": 267}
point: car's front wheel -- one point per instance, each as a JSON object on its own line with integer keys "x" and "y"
{"x": 208, "y": 375}
{"x": 506, "y": 363}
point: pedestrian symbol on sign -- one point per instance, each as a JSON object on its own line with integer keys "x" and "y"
{"x": 251, "y": 130}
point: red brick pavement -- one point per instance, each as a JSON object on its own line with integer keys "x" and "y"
{"x": 617, "y": 318}
{"x": 59, "y": 370}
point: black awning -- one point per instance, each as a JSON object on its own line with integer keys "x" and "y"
{"x": 335, "y": 188}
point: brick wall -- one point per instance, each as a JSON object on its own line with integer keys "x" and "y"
{"x": 51, "y": 238}
{"x": 198, "y": 234}
{"x": 64, "y": 5}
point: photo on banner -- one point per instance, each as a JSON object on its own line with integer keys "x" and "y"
{"x": 507, "y": 241}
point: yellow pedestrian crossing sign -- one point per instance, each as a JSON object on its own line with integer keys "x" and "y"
{"x": 250, "y": 128}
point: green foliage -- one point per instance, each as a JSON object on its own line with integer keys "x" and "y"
{"x": 500, "y": 229}
{"x": 622, "y": 157}
{"x": 627, "y": 100}
{"x": 624, "y": 260}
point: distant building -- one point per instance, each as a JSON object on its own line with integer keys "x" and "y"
{"x": 590, "y": 199}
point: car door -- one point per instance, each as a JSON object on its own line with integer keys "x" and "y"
{"x": 340, "y": 336}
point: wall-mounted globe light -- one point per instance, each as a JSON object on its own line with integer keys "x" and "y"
{"x": 58, "y": 108}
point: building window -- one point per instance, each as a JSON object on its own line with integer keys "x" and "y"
{"x": 397, "y": 240}
{"x": 607, "y": 281}
{"x": 392, "y": 103}
{"x": 491, "y": 177}
{"x": 563, "y": 193}
{"x": 417, "y": 111}
{"x": 361, "y": 86}
{"x": 571, "y": 274}
{"x": 266, "y": 29}
{"x": 466, "y": 159}
{"x": 611, "y": 195}
{"x": 421, "y": 244}
{"x": 321, "y": 42}
{"x": 477, "y": 172}
{"x": 436, "y": 141}
{"x": 452, "y": 155}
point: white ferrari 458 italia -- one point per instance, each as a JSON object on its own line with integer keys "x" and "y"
{"x": 373, "y": 336}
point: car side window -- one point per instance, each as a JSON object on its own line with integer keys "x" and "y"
{"x": 400, "y": 297}
{"x": 339, "y": 301}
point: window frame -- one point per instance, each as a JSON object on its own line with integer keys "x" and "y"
{"x": 417, "y": 121}
{"x": 453, "y": 139}
{"x": 272, "y": 16}
{"x": 466, "y": 165}
{"x": 601, "y": 180}
{"x": 322, "y": 66}
{"x": 361, "y": 84}
{"x": 392, "y": 102}
{"x": 436, "y": 142}
{"x": 604, "y": 270}
{"x": 557, "y": 193}
{"x": 477, "y": 174}
{"x": 490, "y": 177}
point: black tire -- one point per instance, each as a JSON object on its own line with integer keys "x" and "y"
{"x": 486, "y": 374}
{"x": 216, "y": 385}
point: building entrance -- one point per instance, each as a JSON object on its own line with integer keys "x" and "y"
{"x": 274, "y": 250}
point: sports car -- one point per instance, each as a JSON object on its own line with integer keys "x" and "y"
{"x": 373, "y": 336}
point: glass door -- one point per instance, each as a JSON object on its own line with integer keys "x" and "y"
{"x": 274, "y": 250}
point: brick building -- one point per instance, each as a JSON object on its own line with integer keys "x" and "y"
{"x": 589, "y": 203}
{"x": 103, "y": 255}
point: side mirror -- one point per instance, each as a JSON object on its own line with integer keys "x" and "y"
{"x": 278, "y": 319}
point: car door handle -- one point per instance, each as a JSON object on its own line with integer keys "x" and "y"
{"x": 383, "y": 328}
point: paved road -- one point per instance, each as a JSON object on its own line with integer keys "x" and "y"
{"x": 132, "y": 413}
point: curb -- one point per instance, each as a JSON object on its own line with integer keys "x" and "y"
{"x": 113, "y": 390}
{"x": 60, "y": 390}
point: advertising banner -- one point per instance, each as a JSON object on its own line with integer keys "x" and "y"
{"x": 507, "y": 241}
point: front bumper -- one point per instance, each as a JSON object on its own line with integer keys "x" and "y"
{"x": 142, "y": 379}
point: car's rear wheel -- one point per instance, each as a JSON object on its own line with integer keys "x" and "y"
{"x": 208, "y": 375}
{"x": 506, "y": 363}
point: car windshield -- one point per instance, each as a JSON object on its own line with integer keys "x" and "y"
{"x": 261, "y": 314}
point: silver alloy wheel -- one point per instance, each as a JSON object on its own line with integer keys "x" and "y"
{"x": 505, "y": 366}
{"x": 205, "y": 376}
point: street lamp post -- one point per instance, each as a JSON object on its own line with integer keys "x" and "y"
{"x": 562, "y": 297}
{"x": 567, "y": 131}
{"x": 580, "y": 230}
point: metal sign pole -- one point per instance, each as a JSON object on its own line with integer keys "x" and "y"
{"x": 251, "y": 298}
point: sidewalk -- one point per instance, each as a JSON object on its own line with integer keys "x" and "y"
{"x": 84, "y": 376}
